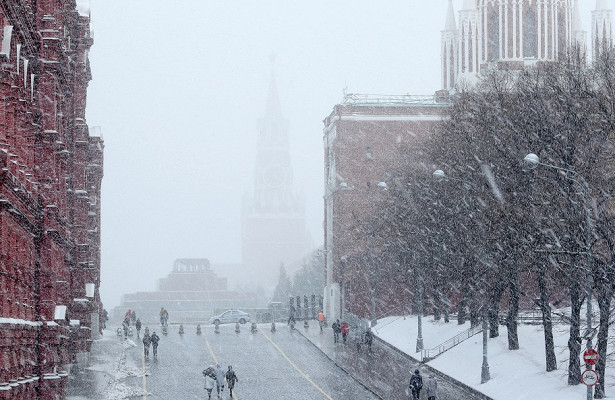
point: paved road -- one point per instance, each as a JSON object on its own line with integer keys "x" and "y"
{"x": 281, "y": 365}
{"x": 384, "y": 370}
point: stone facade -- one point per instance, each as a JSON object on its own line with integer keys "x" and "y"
{"x": 361, "y": 138}
{"x": 50, "y": 177}
{"x": 504, "y": 34}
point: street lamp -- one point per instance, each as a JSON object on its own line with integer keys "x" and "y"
{"x": 532, "y": 160}
{"x": 485, "y": 375}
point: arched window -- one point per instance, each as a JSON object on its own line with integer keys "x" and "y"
{"x": 530, "y": 36}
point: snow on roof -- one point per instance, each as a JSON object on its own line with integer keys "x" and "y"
{"x": 83, "y": 7}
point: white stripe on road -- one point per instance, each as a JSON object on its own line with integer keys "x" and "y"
{"x": 211, "y": 351}
{"x": 295, "y": 366}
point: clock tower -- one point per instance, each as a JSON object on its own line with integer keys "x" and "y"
{"x": 273, "y": 216}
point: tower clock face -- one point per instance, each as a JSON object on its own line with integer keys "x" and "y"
{"x": 274, "y": 176}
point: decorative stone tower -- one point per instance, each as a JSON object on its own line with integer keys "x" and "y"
{"x": 273, "y": 218}
{"x": 602, "y": 28}
{"x": 512, "y": 34}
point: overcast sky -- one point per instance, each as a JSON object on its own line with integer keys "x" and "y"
{"x": 178, "y": 88}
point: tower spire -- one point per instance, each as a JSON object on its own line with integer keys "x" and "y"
{"x": 273, "y": 110}
{"x": 450, "y": 25}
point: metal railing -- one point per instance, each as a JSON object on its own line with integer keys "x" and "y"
{"x": 430, "y": 354}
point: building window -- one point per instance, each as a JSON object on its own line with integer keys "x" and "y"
{"x": 493, "y": 30}
{"x": 530, "y": 36}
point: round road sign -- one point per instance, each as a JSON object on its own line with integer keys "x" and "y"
{"x": 590, "y": 356}
{"x": 589, "y": 377}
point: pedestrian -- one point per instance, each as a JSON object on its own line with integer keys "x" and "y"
{"x": 162, "y": 316}
{"x": 133, "y": 317}
{"x": 431, "y": 388}
{"x": 127, "y": 316}
{"x": 416, "y": 384}
{"x": 166, "y": 317}
{"x": 155, "y": 339}
{"x": 337, "y": 328}
{"x": 291, "y": 315}
{"x": 219, "y": 379}
{"x": 231, "y": 378}
{"x": 345, "y": 329}
{"x": 369, "y": 338}
{"x": 321, "y": 320}
{"x": 210, "y": 379}
{"x": 146, "y": 342}
{"x": 138, "y": 326}
{"x": 125, "y": 327}
{"x": 105, "y": 318}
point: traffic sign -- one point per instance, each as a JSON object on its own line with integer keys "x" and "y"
{"x": 589, "y": 377}
{"x": 590, "y": 356}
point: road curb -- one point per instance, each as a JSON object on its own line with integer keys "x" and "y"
{"x": 340, "y": 366}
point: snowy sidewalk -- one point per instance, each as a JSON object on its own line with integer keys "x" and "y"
{"x": 108, "y": 365}
{"x": 384, "y": 371}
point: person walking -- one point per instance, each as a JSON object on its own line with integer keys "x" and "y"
{"x": 146, "y": 342}
{"x": 416, "y": 384}
{"x": 231, "y": 379}
{"x": 431, "y": 388}
{"x": 337, "y": 328}
{"x": 155, "y": 339}
{"x": 210, "y": 379}
{"x": 369, "y": 338}
{"x": 219, "y": 379}
{"x": 138, "y": 326}
{"x": 345, "y": 329}
{"x": 291, "y": 315}
{"x": 321, "y": 320}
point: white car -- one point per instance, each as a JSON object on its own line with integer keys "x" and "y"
{"x": 230, "y": 316}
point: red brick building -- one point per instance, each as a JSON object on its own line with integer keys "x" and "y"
{"x": 362, "y": 133}
{"x": 50, "y": 175}
{"x": 362, "y": 137}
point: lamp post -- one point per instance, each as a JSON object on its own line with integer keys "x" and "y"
{"x": 485, "y": 375}
{"x": 533, "y": 161}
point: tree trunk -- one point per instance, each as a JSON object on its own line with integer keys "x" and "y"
{"x": 475, "y": 315}
{"x": 513, "y": 312}
{"x": 574, "y": 341}
{"x": 494, "y": 309}
{"x": 437, "y": 301}
{"x": 604, "y": 303}
{"x": 547, "y": 323}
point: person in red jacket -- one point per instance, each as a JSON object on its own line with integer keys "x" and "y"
{"x": 345, "y": 330}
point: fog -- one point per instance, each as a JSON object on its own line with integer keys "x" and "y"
{"x": 178, "y": 88}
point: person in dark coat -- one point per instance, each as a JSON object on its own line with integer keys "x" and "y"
{"x": 369, "y": 338}
{"x": 146, "y": 342}
{"x": 231, "y": 378}
{"x": 416, "y": 384}
{"x": 138, "y": 326}
{"x": 155, "y": 339}
{"x": 431, "y": 388}
{"x": 337, "y": 328}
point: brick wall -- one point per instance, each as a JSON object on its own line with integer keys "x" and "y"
{"x": 50, "y": 175}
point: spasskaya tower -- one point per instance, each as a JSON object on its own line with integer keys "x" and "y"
{"x": 273, "y": 215}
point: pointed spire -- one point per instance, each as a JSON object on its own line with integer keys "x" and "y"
{"x": 273, "y": 110}
{"x": 451, "y": 25}
{"x": 602, "y": 5}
